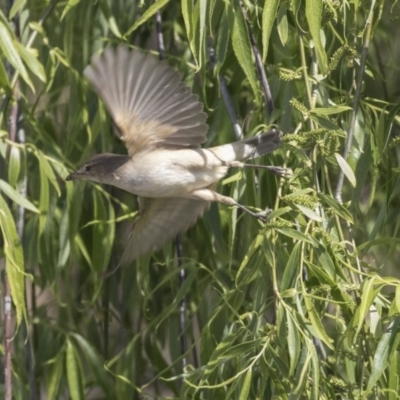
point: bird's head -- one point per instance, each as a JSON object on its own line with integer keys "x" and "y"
{"x": 100, "y": 168}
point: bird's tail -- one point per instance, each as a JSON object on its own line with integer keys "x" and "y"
{"x": 249, "y": 148}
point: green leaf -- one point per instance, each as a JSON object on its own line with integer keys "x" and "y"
{"x": 337, "y": 207}
{"x": 110, "y": 18}
{"x": 346, "y": 169}
{"x": 18, "y": 4}
{"x": 14, "y": 166}
{"x": 14, "y": 260}
{"x": 48, "y": 171}
{"x": 314, "y": 15}
{"x": 330, "y": 110}
{"x": 242, "y": 50}
{"x": 31, "y": 61}
{"x": 309, "y": 213}
{"x": 293, "y": 340}
{"x": 283, "y": 27}
{"x": 315, "y": 319}
{"x": 386, "y": 347}
{"x": 291, "y": 268}
{"x": 17, "y": 197}
{"x": 11, "y": 54}
{"x": 56, "y": 370}
{"x": 268, "y": 18}
{"x": 368, "y": 295}
{"x": 153, "y": 8}
{"x": 71, "y": 4}
{"x": 222, "y": 43}
{"x": 73, "y": 373}
{"x": 96, "y": 364}
{"x": 244, "y": 392}
{"x": 4, "y": 82}
{"x": 255, "y": 245}
{"x": 297, "y": 235}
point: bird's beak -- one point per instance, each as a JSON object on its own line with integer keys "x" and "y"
{"x": 74, "y": 175}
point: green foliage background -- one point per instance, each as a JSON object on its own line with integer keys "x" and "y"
{"x": 304, "y": 306}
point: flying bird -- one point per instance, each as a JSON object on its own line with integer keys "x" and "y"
{"x": 162, "y": 125}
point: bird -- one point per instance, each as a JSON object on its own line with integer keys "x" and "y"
{"x": 162, "y": 124}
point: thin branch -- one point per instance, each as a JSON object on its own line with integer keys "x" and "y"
{"x": 259, "y": 64}
{"x": 160, "y": 37}
{"x": 225, "y": 95}
{"x": 356, "y": 99}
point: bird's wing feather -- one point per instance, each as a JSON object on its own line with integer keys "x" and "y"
{"x": 148, "y": 101}
{"x": 161, "y": 219}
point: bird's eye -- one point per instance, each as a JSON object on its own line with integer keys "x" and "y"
{"x": 88, "y": 168}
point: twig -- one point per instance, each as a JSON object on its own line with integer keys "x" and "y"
{"x": 160, "y": 37}
{"x": 259, "y": 64}
{"x": 225, "y": 95}
{"x": 356, "y": 99}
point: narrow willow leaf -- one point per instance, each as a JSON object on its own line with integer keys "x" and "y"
{"x": 268, "y": 18}
{"x": 368, "y": 295}
{"x": 17, "y": 6}
{"x": 4, "y": 82}
{"x": 309, "y": 213}
{"x": 293, "y": 340}
{"x": 103, "y": 233}
{"x": 71, "y": 4}
{"x": 346, "y": 169}
{"x": 397, "y": 298}
{"x": 31, "y": 61}
{"x": 277, "y": 213}
{"x": 242, "y": 50}
{"x": 222, "y": 43}
{"x": 291, "y": 267}
{"x": 330, "y": 110}
{"x": 64, "y": 246}
{"x": 394, "y": 378}
{"x": 153, "y": 8}
{"x": 318, "y": 329}
{"x": 73, "y": 373}
{"x": 255, "y": 245}
{"x": 187, "y": 13}
{"x": 314, "y": 15}
{"x": 233, "y": 178}
{"x": 48, "y": 171}
{"x": 56, "y": 375}
{"x": 14, "y": 166}
{"x": 283, "y": 27}
{"x": 11, "y": 54}
{"x": 203, "y": 8}
{"x": 17, "y": 197}
{"x": 111, "y": 21}
{"x": 14, "y": 260}
{"x": 337, "y": 207}
{"x": 44, "y": 200}
{"x": 297, "y": 235}
{"x": 386, "y": 347}
{"x": 96, "y": 364}
{"x": 315, "y": 363}
{"x": 245, "y": 391}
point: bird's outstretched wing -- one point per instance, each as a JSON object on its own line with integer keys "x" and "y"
{"x": 147, "y": 100}
{"x": 161, "y": 219}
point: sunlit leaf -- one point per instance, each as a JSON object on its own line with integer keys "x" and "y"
{"x": 346, "y": 169}
{"x": 268, "y": 19}
{"x": 7, "y": 45}
{"x": 14, "y": 260}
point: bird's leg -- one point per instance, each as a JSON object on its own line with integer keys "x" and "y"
{"x": 210, "y": 195}
{"x": 281, "y": 172}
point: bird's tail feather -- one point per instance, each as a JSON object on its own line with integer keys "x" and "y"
{"x": 249, "y": 148}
